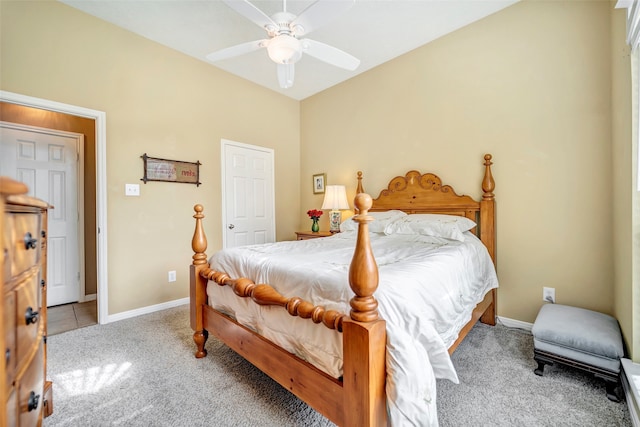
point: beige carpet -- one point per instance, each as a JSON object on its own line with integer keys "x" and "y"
{"x": 141, "y": 372}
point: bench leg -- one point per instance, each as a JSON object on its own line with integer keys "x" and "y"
{"x": 613, "y": 388}
{"x": 611, "y": 379}
{"x": 541, "y": 362}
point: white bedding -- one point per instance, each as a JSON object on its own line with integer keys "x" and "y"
{"x": 426, "y": 294}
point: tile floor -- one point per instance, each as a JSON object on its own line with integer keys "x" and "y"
{"x": 63, "y": 318}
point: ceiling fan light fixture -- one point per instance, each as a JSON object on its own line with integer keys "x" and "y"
{"x": 284, "y": 49}
{"x": 284, "y": 31}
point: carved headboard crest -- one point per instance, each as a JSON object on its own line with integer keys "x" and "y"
{"x": 416, "y": 192}
{"x": 428, "y": 181}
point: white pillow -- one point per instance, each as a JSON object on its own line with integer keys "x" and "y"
{"x": 381, "y": 221}
{"x": 446, "y": 226}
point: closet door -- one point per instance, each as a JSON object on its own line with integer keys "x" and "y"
{"x": 248, "y": 194}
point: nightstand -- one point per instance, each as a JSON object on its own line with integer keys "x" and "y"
{"x": 306, "y": 235}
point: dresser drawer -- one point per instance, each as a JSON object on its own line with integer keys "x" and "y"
{"x": 28, "y": 316}
{"x": 25, "y": 241}
{"x": 7, "y": 244}
{"x": 9, "y": 316}
{"x": 31, "y": 391}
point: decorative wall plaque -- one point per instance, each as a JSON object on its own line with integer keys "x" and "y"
{"x": 156, "y": 169}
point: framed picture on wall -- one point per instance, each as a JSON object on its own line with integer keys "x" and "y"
{"x": 157, "y": 169}
{"x": 319, "y": 181}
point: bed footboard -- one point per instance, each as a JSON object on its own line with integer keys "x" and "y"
{"x": 359, "y": 398}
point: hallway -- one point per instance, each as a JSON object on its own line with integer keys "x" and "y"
{"x": 66, "y": 317}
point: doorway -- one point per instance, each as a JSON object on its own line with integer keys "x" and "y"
{"x": 51, "y": 164}
{"x": 32, "y": 111}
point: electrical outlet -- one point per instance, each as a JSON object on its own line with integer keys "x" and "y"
{"x": 549, "y": 295}
{"x": 172, "y": 276}
{"x": 132, "y": 189}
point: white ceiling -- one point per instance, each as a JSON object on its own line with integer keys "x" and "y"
{"x": 374, "y": 31}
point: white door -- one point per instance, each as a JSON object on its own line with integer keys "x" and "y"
{"x": 248, "y": 213}
{"x": 48, "y": 162}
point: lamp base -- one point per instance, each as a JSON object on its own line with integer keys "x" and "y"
{"x": 335, "y": 218}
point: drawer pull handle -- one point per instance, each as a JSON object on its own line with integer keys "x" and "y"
{"x": 30, "y": 316}
{"x": 7, "y": 357}
{"x": 42, "y": 283}
{"x": 43, "y": 234}
{"x": 33, "y": 401}
{"x": 29, "y": 241}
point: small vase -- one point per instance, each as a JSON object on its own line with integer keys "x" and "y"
{"x": 315, "y": 227}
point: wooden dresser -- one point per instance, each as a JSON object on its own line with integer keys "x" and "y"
{"x": 26, "y": 396}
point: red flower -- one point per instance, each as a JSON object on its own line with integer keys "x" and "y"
{"x": 314, "y": 213}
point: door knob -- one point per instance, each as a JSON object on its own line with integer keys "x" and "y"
{"x": 231, "y": 226}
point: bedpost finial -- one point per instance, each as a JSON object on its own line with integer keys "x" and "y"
{"x": 363, "y": 272}
{"x": 363, "y": 203}
{"x": 488, "y": 184}
{"x": 359, "y": 188}
{"x": 199, "y": 241}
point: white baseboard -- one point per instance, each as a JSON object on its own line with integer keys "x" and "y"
{"x": 630, "y": 383}
{"x": 512, "y": 323}
{"x": 146, "y": 310}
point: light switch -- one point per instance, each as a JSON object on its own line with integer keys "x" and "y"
{"x": 132, "y": 189}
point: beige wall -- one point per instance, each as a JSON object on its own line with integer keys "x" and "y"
{"x": 160, "y": 102}
{"x": 529, "y": 84}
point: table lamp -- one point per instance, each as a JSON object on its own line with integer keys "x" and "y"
{"x": 335, "y": 198}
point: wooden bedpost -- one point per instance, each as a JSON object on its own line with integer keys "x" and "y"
{"x": 487, "y": 209}
{"x": 488, "y": 230}
{"x": 364, "y": 334}
{"x": 198, "y": 284}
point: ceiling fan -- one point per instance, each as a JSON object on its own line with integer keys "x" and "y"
{"x": 284, "y": 30}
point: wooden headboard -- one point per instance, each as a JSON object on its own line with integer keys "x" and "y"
{"x": 424, "y": 193}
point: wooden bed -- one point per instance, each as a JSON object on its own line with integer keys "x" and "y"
{"x": 358, "y": 398}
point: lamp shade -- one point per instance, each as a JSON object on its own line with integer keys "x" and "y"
{"x": 335, "y": 197}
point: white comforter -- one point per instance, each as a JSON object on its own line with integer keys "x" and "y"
{"x": 426, "y": 294}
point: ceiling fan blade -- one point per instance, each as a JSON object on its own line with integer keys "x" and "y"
{"x": 286, "y": 73}
{"x": 330, "y": 54}
{"x": 251, "y": 12}
{"x": 319, "y": 14}
{"x": 237, "y": 50}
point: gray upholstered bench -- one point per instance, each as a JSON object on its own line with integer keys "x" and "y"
{"x": 581, "y": 338}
